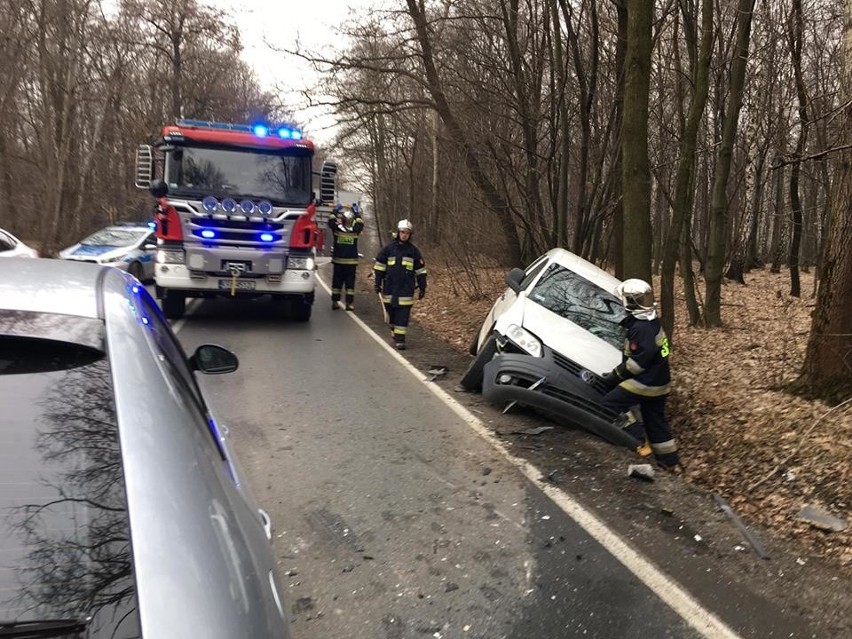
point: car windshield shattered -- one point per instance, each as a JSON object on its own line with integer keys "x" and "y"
{"x": 575, "y": 298}
{"x": 114, "y": 237}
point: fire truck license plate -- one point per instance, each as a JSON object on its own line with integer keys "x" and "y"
{"x": 240, "y": 285}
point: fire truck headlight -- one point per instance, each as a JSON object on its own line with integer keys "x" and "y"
{"x": 170, "y": 257}
{"x": 229, "y": 205}
{"x": 301, "y": 263}
{"x": 247, "y": 207}
{"x": 265, "y": 208}
{"x": 210, "y": 204}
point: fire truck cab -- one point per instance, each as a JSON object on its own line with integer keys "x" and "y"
{"x": 237, "y": 212}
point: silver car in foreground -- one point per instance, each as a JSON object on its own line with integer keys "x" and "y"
{"x": 122, "y": 511}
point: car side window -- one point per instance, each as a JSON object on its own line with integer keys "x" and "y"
{"x": 532, "y": 272}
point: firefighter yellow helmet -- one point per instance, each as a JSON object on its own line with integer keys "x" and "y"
{"x": 637, "y": 296}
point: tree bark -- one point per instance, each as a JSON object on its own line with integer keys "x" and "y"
{"x": 636, "y": 174}
{"x": 828, "y": 358}
{"x": 719, "y": 212}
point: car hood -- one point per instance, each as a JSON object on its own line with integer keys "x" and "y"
{"x": 564, "y": 336}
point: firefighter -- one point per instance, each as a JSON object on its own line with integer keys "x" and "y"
{"x": 346, "y": 226}
{"x": 643, "y": 379}
{"x": 399, "y": 270}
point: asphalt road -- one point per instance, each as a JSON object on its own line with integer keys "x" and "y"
{"x": 393, "y": 517}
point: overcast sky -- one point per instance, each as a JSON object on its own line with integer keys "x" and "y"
{"x": 312, "y": 22}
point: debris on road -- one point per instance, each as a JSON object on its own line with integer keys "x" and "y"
{"x": 641, "y": 471}
{"x": 435, "y": 372}
{"x": 750, "y": 537}
{"x": 532, "y": 431}
{"x": 817, "y": 517}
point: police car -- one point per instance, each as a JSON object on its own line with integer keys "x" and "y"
{"x": 131, "y": 247}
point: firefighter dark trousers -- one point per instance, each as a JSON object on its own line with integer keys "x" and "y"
{"x": 343, "y": 277}
{"x": 398, "y": 320}
{"x": 653, "y": 425}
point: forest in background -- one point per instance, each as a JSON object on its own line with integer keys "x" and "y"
{"x": 644, "y": 136}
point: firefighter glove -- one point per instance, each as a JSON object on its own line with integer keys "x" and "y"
{"x": 421, "y": 294}
{"x": 610, "y": 379}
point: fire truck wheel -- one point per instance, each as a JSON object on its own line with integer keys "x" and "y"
{"x": 174, "y": 304}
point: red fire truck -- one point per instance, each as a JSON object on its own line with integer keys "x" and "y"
{"x": 238, "y": 213}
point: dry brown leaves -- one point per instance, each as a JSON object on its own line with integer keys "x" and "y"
{"x": 736, "y": 425}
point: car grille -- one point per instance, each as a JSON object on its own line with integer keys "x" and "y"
{"x": 574, "y": 368}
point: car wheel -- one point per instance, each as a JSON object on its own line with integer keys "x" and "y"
{"x": 472, "y": 378}
{"x": 135, "y": 269}
{"x": 473, "y": 344}
{"x": 174, "y": 304}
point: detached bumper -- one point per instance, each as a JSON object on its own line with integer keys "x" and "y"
{"x": 556, "y": 386}
{"x": 179, "y": 277}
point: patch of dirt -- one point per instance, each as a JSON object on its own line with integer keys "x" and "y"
{"x": 740, "y": 435}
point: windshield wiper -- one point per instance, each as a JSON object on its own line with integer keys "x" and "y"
{"x": 40, "y": 628}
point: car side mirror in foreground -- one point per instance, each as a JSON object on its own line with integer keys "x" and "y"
{"x": 213, "y": 360}
{"x": 514, "y": 278}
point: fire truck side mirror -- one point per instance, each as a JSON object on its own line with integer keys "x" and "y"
{"x": 144, "y": 166}
{"x": 159, "y": 189}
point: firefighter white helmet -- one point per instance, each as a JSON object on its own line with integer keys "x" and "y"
{"x": 405, "y": 225}
{"x": 637, "y": 296}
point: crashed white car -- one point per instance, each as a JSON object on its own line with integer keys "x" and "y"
{"x": 549, "y": 338}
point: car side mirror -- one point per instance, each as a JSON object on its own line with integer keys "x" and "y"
{"x": 514, "y": 279}
{"x": 149, "y": 247}
{"x": 211, "y": 359}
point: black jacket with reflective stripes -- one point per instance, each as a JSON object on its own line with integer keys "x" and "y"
{"x": 645, "y": 361}
{"x": 345, "y": 249}
{"x": 399, "y": 269}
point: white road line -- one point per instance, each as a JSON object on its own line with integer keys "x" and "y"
{"x": 668, "y": 590}
{"x": 190, "y": 308}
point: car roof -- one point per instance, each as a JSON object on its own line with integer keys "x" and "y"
{"x": 51, "y": 286}
{"x": 593, "y": 273}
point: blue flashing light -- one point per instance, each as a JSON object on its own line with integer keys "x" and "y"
{"x": 152, "y": 225}
{"x": 209, "y": 204}
{"x": 284, "y": 133}
{"x": 296, "y": 135}
{"x": 208, "y": 234}
{"x": 267, "y": 237}
{"x": 261, "y": 130}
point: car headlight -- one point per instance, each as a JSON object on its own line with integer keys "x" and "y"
{"x": 301, "y": 263}
{"x": 525, "y": 340}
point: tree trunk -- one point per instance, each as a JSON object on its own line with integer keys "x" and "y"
{"x": 795, "y": 33}
{"x": 685, "y": 180}
{"x": 826, "y": 368}
{"x": 719, "y": 211}
{"x": 636, "y": 174}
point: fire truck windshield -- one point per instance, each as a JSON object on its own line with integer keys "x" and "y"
{"x": 284, "y": 178}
